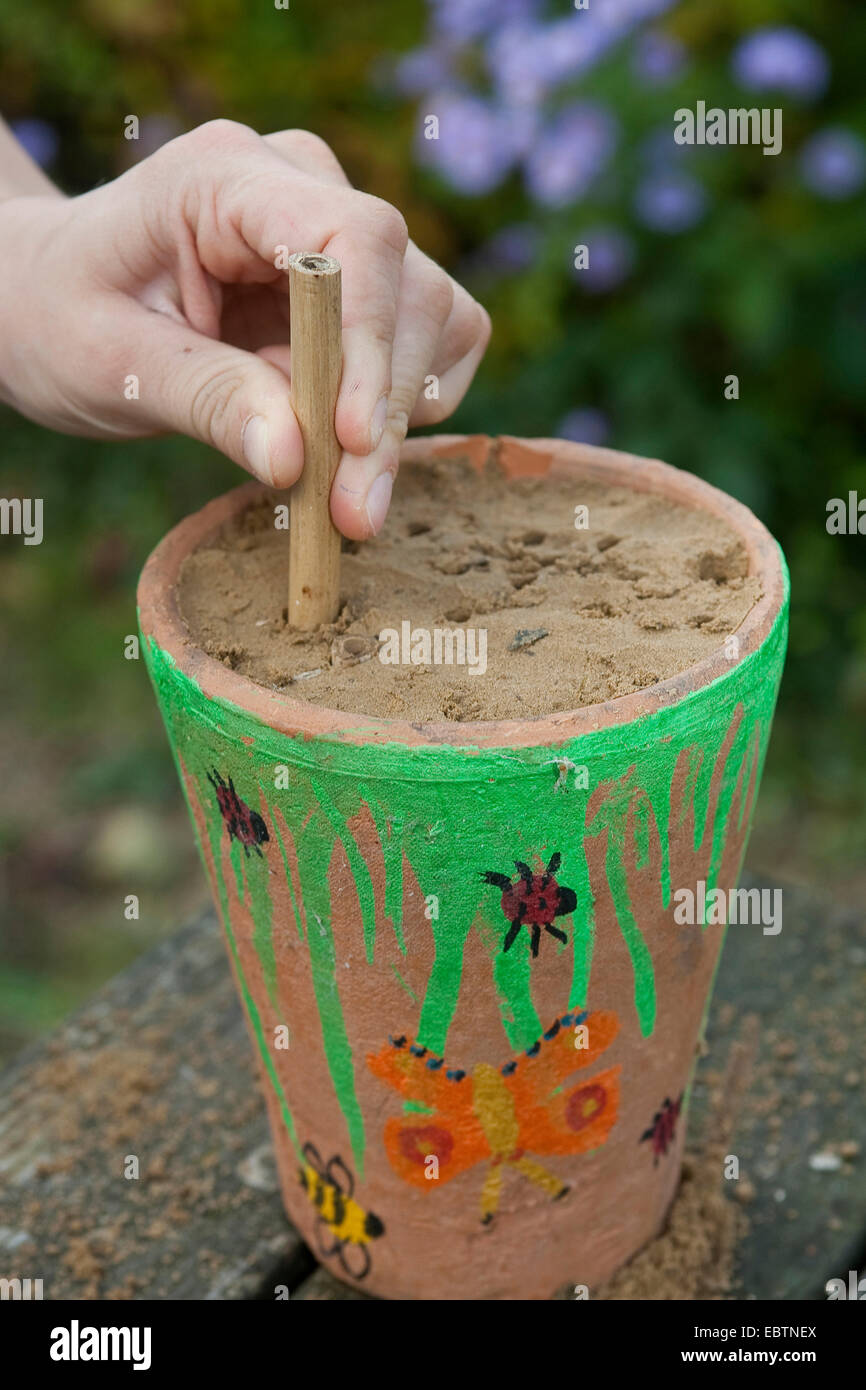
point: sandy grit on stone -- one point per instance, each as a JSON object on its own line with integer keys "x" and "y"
{"x": 571, "y": 616}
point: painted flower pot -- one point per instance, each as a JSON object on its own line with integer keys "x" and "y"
{"x": 457, "y": 944}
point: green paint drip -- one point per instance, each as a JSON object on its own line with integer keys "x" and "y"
{"x": 700, "y": 791}
{"x": 289, "y": 881}
{"x": 215, "y": 833}
{"x": 644, "y": 978}
{"x": 660, "y": 800}
{"x": 443, "y": 987}
{"x": 696, "y": 757}
{"x": 360, "y": 872}
{"x": 747, "y": 774}
{"x": 733, "y": 764}
{"x": 450, "y": 813}
{"x": 255, "y": 870}
{"x": 235, "y": 853}
{"x": 338, "y": 1052}
{"x": 390, "y": 838}
{"x": 582, "y": 940}
{"x": 411, "y": 993}
{"x": 642, "y": 833}
{"x": 512, "y": 972}
{"x": 613, "y": 817}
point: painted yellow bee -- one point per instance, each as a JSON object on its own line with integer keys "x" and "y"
{"x": 343, "y": 1228}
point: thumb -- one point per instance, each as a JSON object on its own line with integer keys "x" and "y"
{"x": 233, "y": 400}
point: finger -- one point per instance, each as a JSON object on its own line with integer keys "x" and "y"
{"x": 309, "y": 152}
{"x": 371, "y": 255}
{"x": 234, "y": 401}
{"x": 452, "y": 385}
{"x": 361, "y": 413}
{"x": 361, "y": 492}
{"x": 467, "y": 326}
{"x": 466, "y": 334}
{"x": 240, "y": 206}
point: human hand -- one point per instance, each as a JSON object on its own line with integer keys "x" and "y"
{"x": 168, "y": 275}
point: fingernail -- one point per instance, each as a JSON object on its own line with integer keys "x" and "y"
{"x": 255, "y": 441}
{"x": 377, "y": 423}
{"x": 378, "y": 501}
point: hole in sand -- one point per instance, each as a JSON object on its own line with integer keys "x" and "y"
{"x": 713, "y": 564}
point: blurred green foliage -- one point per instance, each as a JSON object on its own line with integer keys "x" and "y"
{"x": 771, "y": 286}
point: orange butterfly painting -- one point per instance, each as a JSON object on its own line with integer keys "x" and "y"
{"x": 501, "y": 1116}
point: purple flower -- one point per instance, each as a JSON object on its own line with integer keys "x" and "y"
{"x": 611, "y": 256}
{"x": 658, "y": 58}
{"x": 464, "y": 20}
{"x": 617, "y": 17}
{"x": 524, "y": 128}
{"x": 833, "y": 163}
{"x": 658, "y": 148}
{"x": 587, "y": 426}
{"x": 781, "y": 59}
{"x": 670, "y": 202}
{"x": 38, "y": 138}
{"x": 519, "y": 62}
{"x": 527, "y": 60}
{"x": 570, "y": 154}
{"x": 422, "y": 70}
{"x": 474, "y": 150}
{"x": 512, "y": 248}
{"x": 572, "y": 45}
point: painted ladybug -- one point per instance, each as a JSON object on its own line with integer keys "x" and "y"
{"x": 663, "y": 1128}
{"x": 242, "y": 824}
{"x": 533, "y": 900}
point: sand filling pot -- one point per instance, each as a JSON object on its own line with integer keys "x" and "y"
{"x": 464, "y": 945}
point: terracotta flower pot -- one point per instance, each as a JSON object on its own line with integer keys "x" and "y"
{"x": 454, "y": 1119}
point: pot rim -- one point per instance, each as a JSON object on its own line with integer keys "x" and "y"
{"x": 160, "y": 617}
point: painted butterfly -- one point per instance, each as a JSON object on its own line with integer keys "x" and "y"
{"x": 500, "y": 1115}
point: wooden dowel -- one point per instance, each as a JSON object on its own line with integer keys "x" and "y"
{"x": 315, "y": 312}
